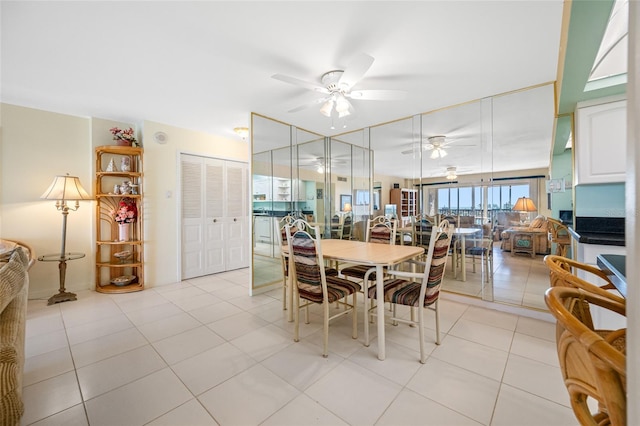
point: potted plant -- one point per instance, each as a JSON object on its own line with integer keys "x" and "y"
{"x": 123, "y": 137}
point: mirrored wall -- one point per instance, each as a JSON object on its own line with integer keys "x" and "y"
{"x": 470, "y": 160}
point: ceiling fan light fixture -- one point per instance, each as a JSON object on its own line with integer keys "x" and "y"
{"x": 451, "y": 173}
{"x": 327, "y": 108}
{"x": 243, "y": 132}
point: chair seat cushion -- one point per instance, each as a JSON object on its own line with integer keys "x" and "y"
{"x": 476, "y": 251}
{"x": 337, "y": 288}
{"x": 359, "y": 271}
{"x": 403, "y": 292}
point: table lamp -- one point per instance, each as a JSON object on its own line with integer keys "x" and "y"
{"x": 524, "y": 205}
{"x": 347, "y": 207}
{"x": 62, "y": 189}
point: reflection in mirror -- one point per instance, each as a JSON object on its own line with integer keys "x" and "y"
{"x": 472, "y": 160}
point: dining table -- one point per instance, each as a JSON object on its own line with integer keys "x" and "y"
{"x": 378, "y": 256}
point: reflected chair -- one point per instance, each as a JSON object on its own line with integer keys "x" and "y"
{"x": 592, "y": 365}
{"x": 336, "y": 227}
{"x": 347, "y": 226}
{"x": 559, "y": 234}
{"x": 421, "y": 230}
{"x": 314, "y": 286}
{"x": 280, "y": 225}
{"x": 380, "y": 230}
{"x": 477, "y": 249}
{"x": 402, "y": 289}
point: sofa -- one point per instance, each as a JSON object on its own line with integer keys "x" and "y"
{"x": 15, "y": 260}
{"x": 539, "y": 230}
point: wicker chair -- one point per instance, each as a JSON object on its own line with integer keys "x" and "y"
{"x": 401, "y": 289}
{"x": 314, "y": 285}
{"x": 592, "y": 365}
{"x": 559, "y": 234}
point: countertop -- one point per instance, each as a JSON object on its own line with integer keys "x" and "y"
{"x": 608, "y": 231}
{"x": 598, "y": 238}
{"x": 615, "y": 266}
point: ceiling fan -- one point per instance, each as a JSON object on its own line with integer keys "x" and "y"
{"x": 318, "y": 163}
{"x": 336, "y": 87}
{"x": 437, "y": 145}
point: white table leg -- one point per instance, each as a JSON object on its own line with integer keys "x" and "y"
{"x": 463, "y": 260}
{"x": 380, "y": 311}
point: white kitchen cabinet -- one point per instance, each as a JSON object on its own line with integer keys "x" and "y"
{"x": 600, "y": 143}
{"x": 588, "y": 253}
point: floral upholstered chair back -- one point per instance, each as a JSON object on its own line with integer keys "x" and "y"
{"x": 436, "y": 261}
{"x": 381, "y": 230}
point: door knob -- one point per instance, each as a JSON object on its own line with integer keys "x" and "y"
{"x": 215, "y": 220}
{"x": 234, "y": 219}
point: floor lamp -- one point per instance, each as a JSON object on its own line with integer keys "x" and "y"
{"x": 63, "y": 189}
{"x": 524, "y": 205}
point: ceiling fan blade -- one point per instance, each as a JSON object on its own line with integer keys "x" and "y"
{"x": 308, "y": 105}
{"x": 301, "y": 83}
{"x": 356, "y": 69}
{"x": 378, "y": 95}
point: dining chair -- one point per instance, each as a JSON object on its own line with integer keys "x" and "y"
{"x": 402, "y": 289}
{"x": 280, "y": 225}
{"x": 593, "y": 365}
{"x": 476, "y": 249}
{"x": 313, "y": 285}
{"x": 336, "y": 227}
{"x": 422, "y": 230}
{"x": 380, "y": 230}
{"x": 347, "y": 226}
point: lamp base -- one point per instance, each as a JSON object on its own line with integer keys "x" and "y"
{"x": 62, "y": 297}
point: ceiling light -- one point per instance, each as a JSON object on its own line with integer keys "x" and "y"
{"x": 327, "y": 108}
{"x": 451, "y": 173}
{"x": 243, "y": 132}
{"x": 342, "y": 106}
{"x": 320, "y": 169}
{"x": 438, "y": 153}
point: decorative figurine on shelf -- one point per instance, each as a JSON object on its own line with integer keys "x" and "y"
{"x": 125, "y": 164}
{"x": 111, "y": 167}
{"x": 123, "y": 137}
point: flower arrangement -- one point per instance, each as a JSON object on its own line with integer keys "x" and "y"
{"x": 126, "y": 136}
{"x": 127, "y": 211}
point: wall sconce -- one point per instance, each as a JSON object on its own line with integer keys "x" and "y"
{"x": 243, "y": 132}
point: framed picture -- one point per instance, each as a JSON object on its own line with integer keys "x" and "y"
{"x": 319, "y": 194}
{"x": 345, "y": 203}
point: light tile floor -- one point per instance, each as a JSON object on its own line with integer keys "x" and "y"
{"x": 203, "y": 352}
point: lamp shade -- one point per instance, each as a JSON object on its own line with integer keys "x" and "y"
{"x": 524, "y": 204}
{"x": 347, "y": 207}
{"x": 65, "y": 188}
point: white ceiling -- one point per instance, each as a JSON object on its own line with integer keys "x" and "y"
{"x": 207, "y": 65}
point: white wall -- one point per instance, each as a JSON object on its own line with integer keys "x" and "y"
{"x": 36, "y": 145}
{"x": 162, "y": 192}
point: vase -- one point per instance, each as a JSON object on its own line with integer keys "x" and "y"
{"x": 122, "y": 142}
{"x": 124, "y": 231}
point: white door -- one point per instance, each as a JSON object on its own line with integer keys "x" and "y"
{"x": 237, "y": 238}
{"x": 214, "y": 215}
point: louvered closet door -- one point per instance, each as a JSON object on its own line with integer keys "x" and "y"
{"x": 237, "y": 217}
{"x": 192, "y": 216}
{"x": 214, "y": 216}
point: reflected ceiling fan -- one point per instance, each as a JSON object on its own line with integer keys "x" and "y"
{"x": 318, "y": 163}
{"x": 336, "y": 88}
{"x": 437, "y": 145}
